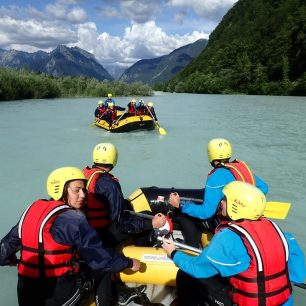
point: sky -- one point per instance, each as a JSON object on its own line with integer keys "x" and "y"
{"x": 116, "y": 32}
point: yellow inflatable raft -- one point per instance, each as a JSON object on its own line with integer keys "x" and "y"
{"x": 127, "y": 124}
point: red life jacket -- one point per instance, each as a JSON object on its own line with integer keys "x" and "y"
{"x": 102, "y": 111}
{"x": 41, "y": 255}
{"x": 266, "y": 282}
{"x": 239, "y": 169}
{"x": 97, "y": 212}
{"x": 131, "y": 108}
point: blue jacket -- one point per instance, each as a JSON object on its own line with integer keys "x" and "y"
{"x": 213, "y": 194}
{"x": 108, "y": 100}
{"x": 71, "y": 228}
{"x": 226, "y": 255}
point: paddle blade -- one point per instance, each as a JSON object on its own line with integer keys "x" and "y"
{"x": 277, "y": 210}
{"x": 162, "y": 131}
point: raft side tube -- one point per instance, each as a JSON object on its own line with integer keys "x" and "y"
{"x": 156, "y": 268}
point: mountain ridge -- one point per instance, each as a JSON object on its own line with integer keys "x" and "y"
{"x": 74, "y": 61}
{"x": 160, "y": 69}
{"x": 62, "y": 61}
{"x": 257, "y": 48}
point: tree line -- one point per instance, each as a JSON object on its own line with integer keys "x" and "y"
{"x": 23, "y": 84}
{"x": 259, "y": 47}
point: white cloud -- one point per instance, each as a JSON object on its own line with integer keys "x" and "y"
{"x": 77, "y": 15}
{"x": 140, "y": 41}
{"x": 40, "y": 35}
{"x": 66, "y": 22}
{"x": 208, "y": 8}
{"x": 60, "y": 11}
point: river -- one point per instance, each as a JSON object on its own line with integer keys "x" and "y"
{"x": 267, "y": 132}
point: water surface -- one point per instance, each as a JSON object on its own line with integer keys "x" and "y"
{"x": 268, "y": 133}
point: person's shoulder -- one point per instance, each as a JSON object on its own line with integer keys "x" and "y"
{"x": 70, "y": 214}
{"x": 69, "y": 220}
{"x": 106, "y": 178}
{"x": 219, "y": 175}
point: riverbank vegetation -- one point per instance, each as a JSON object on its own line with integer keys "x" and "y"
{"x": 22, "y": 84}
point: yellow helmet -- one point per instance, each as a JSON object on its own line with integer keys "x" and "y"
{"x": 105, "y": 153}
{"x": 219, "y": 148}
{"x": 110, "y": 95}
{"x": 59, "y": 177}
{"x": 100, "y": 102}
{"x": 133, "y": 101}
{"x": 150, "y": 104}
{"x": 110, "y": 104}
{"x": 244, "y": 201}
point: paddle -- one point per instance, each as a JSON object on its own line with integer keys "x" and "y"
{"x": 115, "y": 123}
{"x": 141, "y": 215}
{"x": 161, "y": 130}
{"x": 273, "y": 210}
{"x": 94, "y": 123}
{"x": 300, "y": 285}
{"x": 277, "y": 210}
{"x": 97, "y": 119}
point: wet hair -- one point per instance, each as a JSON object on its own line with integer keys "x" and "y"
{"x": 65, "y": 192}
{"x": 221, "y": 161}
{"x": 106, "y": 166}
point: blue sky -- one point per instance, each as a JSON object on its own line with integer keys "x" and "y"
{"x": 117, "y": 32}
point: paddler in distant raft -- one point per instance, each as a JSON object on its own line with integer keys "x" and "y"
{"x": 108, "y": 100}
{"x": 131, "y": 108}
{"x": 149, "y": 110}
{"x": 196, "y": 218}
{"x": 100, "y": 110}
{"x": 249, "y": 261}
{"x": 110, "y": 114}
{"x": 58, "y": 246}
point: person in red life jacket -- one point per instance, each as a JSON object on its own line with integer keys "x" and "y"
{"x": 55, "y": 241}
{"x": 131, "y": 111}
{"x": 149, "y": 110}
{"x": 249, "y": 261}
{"x": 140, "y": 108}
{"x": 110, "y": 114}
{"x": 106, "y": 204}
{"x": 219, "y": 153}
{"x": 100, "y": 110}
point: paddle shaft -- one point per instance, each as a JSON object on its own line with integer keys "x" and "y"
{"x": 141, "y": 215}
{"x": 160, "y": 129}
{"x": 274, "y": 210}
{"x": 151, "y": 115}
{"x": 119, "y": 118}
{"x": 180, "y": 245}
{"x": 198, "y": 251}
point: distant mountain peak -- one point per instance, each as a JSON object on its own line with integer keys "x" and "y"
{"x": 163, "y": 68}
{"x": 62, "y": 61}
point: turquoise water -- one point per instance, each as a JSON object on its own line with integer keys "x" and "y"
{"x": 38, "y": 136}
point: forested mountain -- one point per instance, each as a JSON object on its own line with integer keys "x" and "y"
{"x": 258, "y": 48}
{"x": 163, "y": 68}
{"x": 62, "y": 61}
